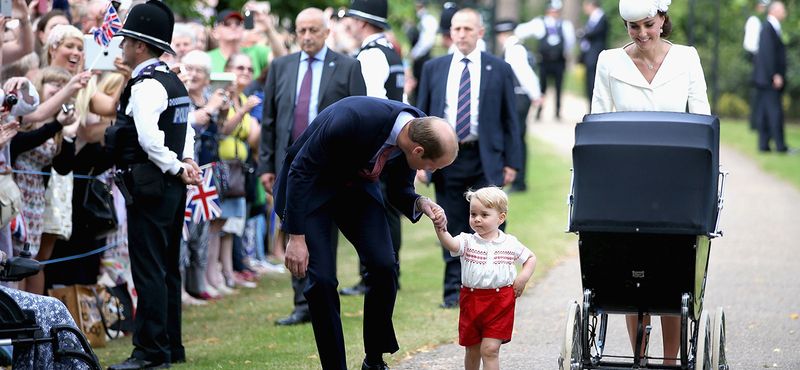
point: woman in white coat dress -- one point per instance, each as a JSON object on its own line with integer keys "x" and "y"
{"x": 650, "y": 74}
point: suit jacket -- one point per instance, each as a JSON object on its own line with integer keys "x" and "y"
{"x": 597, "y": 41}
{"x": 341, "y": 77}
{"x": 498, "y": 131}
{"x": 771, "y": 58}
{"x": 619, "y": 86}
{"x": 327, "y": 157}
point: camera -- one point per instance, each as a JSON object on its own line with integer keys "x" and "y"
{"x": 10, "y": 100}
{"x": 67, "y": 107}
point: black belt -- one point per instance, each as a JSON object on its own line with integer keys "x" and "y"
{"x": 468, "y": 145}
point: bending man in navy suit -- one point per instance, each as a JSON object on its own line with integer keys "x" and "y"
{"x": 329, "y": 175}
{"x": 474, "y": 92}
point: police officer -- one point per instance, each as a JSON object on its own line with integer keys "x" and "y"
{"x": 152, "y": 142}
{"x": 384, "y": 76}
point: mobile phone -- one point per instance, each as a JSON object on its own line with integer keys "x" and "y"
{"x": 106, "y": 57}
{"x": 221, "y": 80}
{"x": 67, "y": 107}
{"x": 248, "y": 19}
{"x": 5, "y": 8}
{"x": 42, "y": 7}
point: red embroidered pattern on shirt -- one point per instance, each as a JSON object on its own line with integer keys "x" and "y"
{"x": 475, "y": 256}
{"x": 504, "y": 258}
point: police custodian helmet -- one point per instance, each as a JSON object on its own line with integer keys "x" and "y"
{"x": 152, "y": 23}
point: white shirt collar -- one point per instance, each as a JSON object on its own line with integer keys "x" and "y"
{"x": 320, "y": 56}
{"x": 142, "y": 65}
{"x": 474, "y": 56}
{"x": 775, "y": 23}
{"x": 501, "y": 237}
{"x": 596, "y": 15}
{"x": 373, "y": 37}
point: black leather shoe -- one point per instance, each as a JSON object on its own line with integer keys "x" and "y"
{"x": 295, "y": 318}
{"x": 449, "y": 304}
{"x": 380, "y": 366}
{"x": 137, "y": 363}
{"x": 358, "y": 289}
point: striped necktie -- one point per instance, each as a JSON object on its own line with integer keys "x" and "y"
{"x": 464, "y": 100}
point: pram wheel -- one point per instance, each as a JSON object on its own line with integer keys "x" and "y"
{"x": 702, "y": 358}
{"x": 718, "y": 360}
{"x": 571, "y": 352}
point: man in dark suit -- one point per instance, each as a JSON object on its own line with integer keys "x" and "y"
{"x": 330, "y": 176}
{"x": 288, "y": 89}
{"x": 769, "y": 74}
{"x": 474, "y": 92}
{"x": 593, "y": 41}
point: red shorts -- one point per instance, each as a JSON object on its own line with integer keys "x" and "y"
{"x": 485, "y": 313}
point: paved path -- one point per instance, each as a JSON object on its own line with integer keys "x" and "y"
{"x": 753, "y": 273}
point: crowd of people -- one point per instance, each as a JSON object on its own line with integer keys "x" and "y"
{"x": 250, "y": 93}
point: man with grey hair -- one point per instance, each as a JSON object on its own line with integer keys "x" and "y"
{"x": 92, "y": 15}
{"x": 298, "y": 87}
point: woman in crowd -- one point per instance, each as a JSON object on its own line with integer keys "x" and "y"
{"x": 209, "y": 107}
{"x": 238, "y": 131}
{"x": 46, "y": 23}
{"x": 650, "y": 74}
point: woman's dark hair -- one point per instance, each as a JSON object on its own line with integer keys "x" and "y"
{"x": 666, "y": 28}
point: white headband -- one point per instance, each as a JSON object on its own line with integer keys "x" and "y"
{"x": 636, "y": 10}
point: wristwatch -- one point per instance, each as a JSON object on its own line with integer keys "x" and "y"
{"x": 180, "y": 172}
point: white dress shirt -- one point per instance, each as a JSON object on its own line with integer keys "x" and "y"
{"x": 453, "y": 82}
{"x": 517, "y": 56}
{"x": 620, "y": 86}
{"x": 374, "y": 66}
{"x": 752, "y": 32}
{"x": 148, "y": 100}
{"x": 316, "y": 77}
{"x": 537, "y": 28}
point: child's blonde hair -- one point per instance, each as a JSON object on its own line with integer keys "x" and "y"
{"x": 490, "y": 197}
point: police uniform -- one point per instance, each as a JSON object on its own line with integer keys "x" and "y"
{"x": 150, "y": 139}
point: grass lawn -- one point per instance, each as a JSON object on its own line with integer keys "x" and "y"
{"x": 737, "y": 134}
{"x": 237, "y": 332}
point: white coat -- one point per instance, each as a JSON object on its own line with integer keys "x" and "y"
{"x": 620, "y": 86}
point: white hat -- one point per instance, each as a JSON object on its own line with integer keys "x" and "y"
{"x": 636, "y": 10}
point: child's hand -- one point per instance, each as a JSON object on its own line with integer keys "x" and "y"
{"x": 519, "y": 286}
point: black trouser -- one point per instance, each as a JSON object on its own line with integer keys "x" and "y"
{"x": 770, "y": 119}
{"x": 556, "y": 70}
{"x": 361, "y": 219}
{"x": 154, "y": 237}
{"x": 393, "y": 218}
{"x": 523, "y": 107}
{"x": 299, "y": 284}
{"x": 451, "y": 182}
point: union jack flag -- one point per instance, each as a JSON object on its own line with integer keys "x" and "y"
{"x": 111, "y": 25}
{"x": 203, "y": 200}
{"x": 187, "y": 221}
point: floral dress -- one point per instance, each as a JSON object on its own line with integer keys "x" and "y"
{"x": 32, "y": 188}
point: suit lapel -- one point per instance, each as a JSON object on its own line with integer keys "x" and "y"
{"x": 328, "y": 68}
{"x": 291, "y": 73}
{"x": 486, "y": 74}
{"x": 441, "y": 80}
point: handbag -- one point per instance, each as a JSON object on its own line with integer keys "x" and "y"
{"x": 230, "y": 175}
{"x": 10, "y": 198}
{"x": 86, "y": 307}
{"x": 120, "y": 304}
{"x": 98, "y": 203}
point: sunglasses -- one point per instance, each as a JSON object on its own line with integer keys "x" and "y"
{"x": 233, "y": 23}
{"x": 243, "y": 69}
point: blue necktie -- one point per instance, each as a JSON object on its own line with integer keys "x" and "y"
{"x": 464, "y": 99}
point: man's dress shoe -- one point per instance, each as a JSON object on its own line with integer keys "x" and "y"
{"x": 137, "y": 363}
{"x": 358, "y": 289}
{"x": 380, "y": 366}
{"x": 294, "y": 319}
